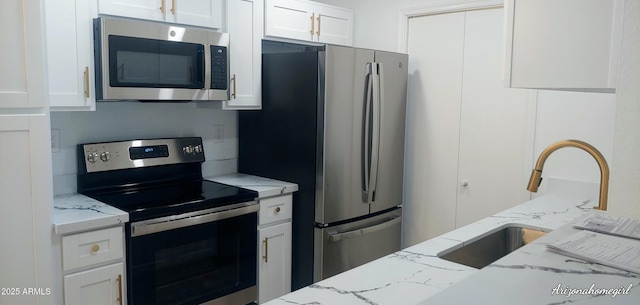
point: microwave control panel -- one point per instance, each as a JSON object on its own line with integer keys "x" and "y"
{"x": 219, "y": 64}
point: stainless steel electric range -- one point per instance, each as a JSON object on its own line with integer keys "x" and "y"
{"x": 189, "y": 240}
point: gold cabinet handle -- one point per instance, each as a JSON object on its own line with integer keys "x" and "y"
{"x": 233, "y": 94}
{"x": 173, "y": 7}
{"x": 86, "y": 82}
{"x": 95, "y": 248}
{"x": 119, "y": 279}
{"x": 162, "y": 6}
{"x": 313, "y": 23}
{"x": 266, "y": 249}
{"x": 318, "y": 32}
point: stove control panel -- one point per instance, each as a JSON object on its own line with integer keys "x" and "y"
{"x": 140, "y": 153}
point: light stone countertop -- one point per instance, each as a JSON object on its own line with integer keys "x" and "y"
{"x": 264, "y": 186}
{"x": 416, "y": 275}
{"x": 75, "y": 213}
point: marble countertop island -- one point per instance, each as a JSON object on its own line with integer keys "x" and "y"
{"x": 416, "y": 275}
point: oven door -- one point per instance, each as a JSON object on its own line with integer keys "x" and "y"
{"x": 193, "y": 260}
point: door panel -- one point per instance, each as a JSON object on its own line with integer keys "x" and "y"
{"x": 496, "y": 145}
{"x": 393, "y": 81}
{"x": 435, "y": 44}
{"x": 345, "y": 77}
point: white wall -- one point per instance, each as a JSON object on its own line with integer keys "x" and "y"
{"x": 114, "y": 121}
{"x": 624, "y": 198}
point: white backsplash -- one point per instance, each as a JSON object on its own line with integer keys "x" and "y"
{"x": 114, "y": 121}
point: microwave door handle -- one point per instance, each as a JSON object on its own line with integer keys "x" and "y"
{"x": 366, "y": 134}
{"x": 201, "y": 77}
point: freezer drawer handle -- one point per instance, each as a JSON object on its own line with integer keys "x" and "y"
{"x": 367, "y": 230}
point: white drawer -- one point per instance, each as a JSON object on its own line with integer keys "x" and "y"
{"x": 275, "y": 209}
{"x": 90, "y": 248}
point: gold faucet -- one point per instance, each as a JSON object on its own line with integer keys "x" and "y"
{"x": 536, "y": 174}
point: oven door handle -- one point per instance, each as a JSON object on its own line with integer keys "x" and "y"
{"x": 159, "y": 225}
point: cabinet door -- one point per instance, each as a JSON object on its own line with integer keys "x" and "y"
{"x": 333, "y": 25}
{"x": 576, "y": 46}
{"x": 26, "y": 188}
{"x": 289, "y": 19}
{"x": 70, "y": 54}
{"x": 21, "y": 60}
{"x": 206, "y": 13}
{"x": 100, "y": 286}
{"x": 274, "y": 267}
{"x": 244, "y": 24}
{"x": 143, "y": 9}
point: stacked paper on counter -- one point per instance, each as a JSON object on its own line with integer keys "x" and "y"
{"x": 613, "y": 225}
{"x": 612, "y": 251}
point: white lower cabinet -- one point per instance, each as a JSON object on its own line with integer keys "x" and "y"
{"x": 274, "y": 248}
{"x": 99, "y": 286}
{"x": 93, "y": 267}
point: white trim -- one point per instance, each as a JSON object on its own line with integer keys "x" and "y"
{"x": 439, "y": 8}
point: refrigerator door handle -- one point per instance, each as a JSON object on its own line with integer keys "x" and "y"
{"x": 338, "y": 236}
{"x": 366, "y": 138}
{"x": 375, "y": 134}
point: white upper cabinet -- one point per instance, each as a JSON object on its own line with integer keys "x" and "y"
{"x": 244, "y": 25}
{"x": 568, "y": 44}
{"x": 21, "y": 59}
{"x": 205, "y": 13}
{"x": 308, "y": 21}
{"x": 69, "y": 34}
{"x": 334, "y": 25}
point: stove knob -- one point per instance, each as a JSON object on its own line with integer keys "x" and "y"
{"x": 198, "y": 148}
{"x": 92, "y": 157}
{"x": 105, "y": 156}
{"x": 187, "y": 149}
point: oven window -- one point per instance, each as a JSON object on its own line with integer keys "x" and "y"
{"x": 149, "y": 63}
{"x": 194, "y": 264}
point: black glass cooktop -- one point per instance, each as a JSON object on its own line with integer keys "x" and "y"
{"x": 147, "y": 202}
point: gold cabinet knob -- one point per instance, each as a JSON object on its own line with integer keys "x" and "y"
{"x": 95, "y": 248}
{"x": 278, "y": 210}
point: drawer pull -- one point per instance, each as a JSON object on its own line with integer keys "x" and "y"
{"x": 266, "y": 249}
{"x": 95, "y": 248}
{"x": 277, "y": 210}
{"x": 119, "y": 279}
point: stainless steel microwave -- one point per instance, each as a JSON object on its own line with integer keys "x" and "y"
{"x": 152, "y": 61}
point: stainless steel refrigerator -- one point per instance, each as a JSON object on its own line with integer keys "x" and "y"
{"x": 332, "y": 121}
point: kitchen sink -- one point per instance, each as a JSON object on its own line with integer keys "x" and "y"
{"x": 491, "y": 247}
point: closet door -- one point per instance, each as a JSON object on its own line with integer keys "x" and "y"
{"x": 435, "y": 47}
{"x": 496, "y": 126}
{"x": 469, "y": 139}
